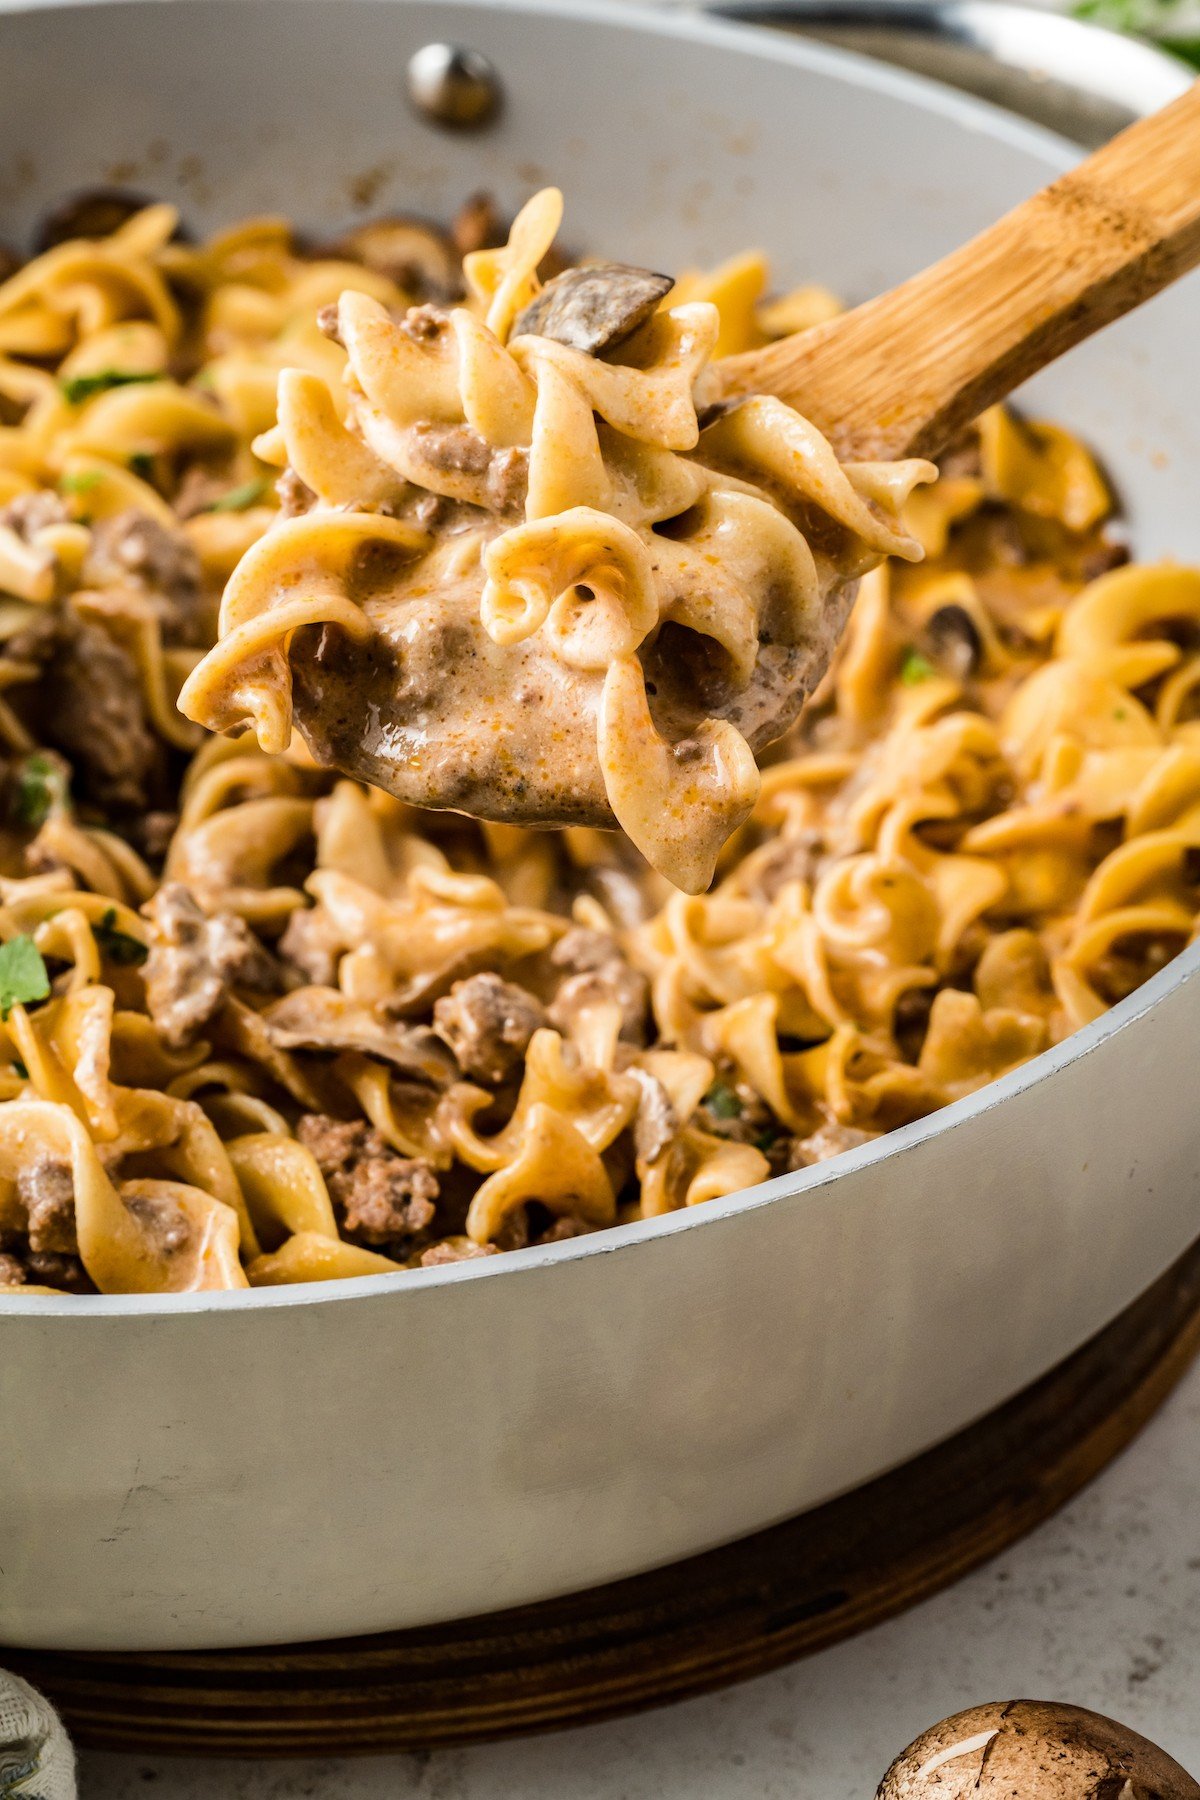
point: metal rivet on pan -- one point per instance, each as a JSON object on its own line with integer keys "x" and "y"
{"x": 453, "y": 86}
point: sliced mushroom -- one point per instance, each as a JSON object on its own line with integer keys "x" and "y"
{"x": 1038, "y": 1749}
{"x": 319, "y": 1018}
{"x": 595, "y": 307}
{"x": 91, "y": 213}
{"x": 477, "y": 225}
{"x": 417, "y": 258}
{"x": 954, "y": 640}
{"x": 656, "y": 1122}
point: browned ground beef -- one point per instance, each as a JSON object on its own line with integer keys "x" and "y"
{"x": 383, "y": 1200}
{"x": 47, "y": 1192}
{"x": 97, "y": 718}
{"x": 135, "y": 548}
{"x": 828, "y": 1140}
{"x": 195, "y": 962}
{"x": 598, "y": 975}
{"x": 312, "y": 944}
{"x": 488, "y": 1023}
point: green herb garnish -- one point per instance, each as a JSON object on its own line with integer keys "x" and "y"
{"x": 81, "y": 483}
{"x": 41, "y": 789}
{"x": 239, "y": 498}
{"x": 1149, "y": 18}
{"x": 722, "y": 1102}
{"x": 23, "y": 976}
{"x": 766, "y": 1140}
{"x": 118, "y": 946}
{"x": 1187, "y": 49}
{"x": 914, "y": 668}
{"x": 141, "y": 464}
{"x": 20, "y": 1068}
{"x": 1157, "y": 19}
{"x": 79, "y": 388}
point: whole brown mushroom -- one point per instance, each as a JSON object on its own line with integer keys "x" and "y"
{"x": 90, "y": 213}
{"x": 1034, "y": 1750}
{"x": 416, "y": 256}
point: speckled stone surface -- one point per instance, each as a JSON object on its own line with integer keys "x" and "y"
{"x": 1100, "y": 1607}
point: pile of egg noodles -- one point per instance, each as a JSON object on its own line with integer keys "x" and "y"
{"x": 263, "y": 1024}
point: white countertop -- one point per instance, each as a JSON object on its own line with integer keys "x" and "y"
{"x": 1100, "y": 1607}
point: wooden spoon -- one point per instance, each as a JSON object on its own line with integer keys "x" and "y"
{"x": 901, "y": 375}
{"x": 897, "y": 377}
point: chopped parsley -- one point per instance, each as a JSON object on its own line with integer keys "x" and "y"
{"x": 141, "y": 464}
{"x": 118, "y": 946}
{"x": 766, "y": 1140}
{"x": 915, "y": 668}
{"x": 79, "y": 388}
{"x": 40, "y": 789}
{"x": 722, "y": 1102}
{"x": 23, "y": 976}
{"x": 239, "y": 498}
{"x": 20, "y": 1068}
{"x": 81, "y": 481}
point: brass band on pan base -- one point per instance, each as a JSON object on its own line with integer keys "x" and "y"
{"x": 679, "y": 1631}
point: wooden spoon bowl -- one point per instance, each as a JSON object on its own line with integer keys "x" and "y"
{"x": 510, "y": 734}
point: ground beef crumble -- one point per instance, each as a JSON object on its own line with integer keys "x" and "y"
{"x": 456, "y": 1251}
{"x": 28, "y": 514}
{"x": 131, "y": 546}
{"x": 598, "y": 975}
{"x": 162, "y": 1219}
{"x": 383, "y": 1200}
{"x": 47, "y": 1192}
{"x": 313, "y": 944}
{"x": 195, "y": 961}
{"x": 828, "y": 1140}
{"x": 97, "y": 718}
{"x": 487, "y": 1023}
{"x": 20, "y": 1267}
{"x": 295, "y": 496}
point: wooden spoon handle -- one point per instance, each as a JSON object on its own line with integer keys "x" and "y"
{"x": 902, "y": 374}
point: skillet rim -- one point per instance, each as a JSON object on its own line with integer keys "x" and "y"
{"x": 756, "y": 42}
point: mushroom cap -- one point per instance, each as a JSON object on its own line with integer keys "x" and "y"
{"x": 1034, "y": 1750}
{"x": 595, "y": 306}
{"x": 416, "y": 256}
{"x": 94, "y": 212}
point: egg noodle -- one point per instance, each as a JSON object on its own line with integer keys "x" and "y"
{"x": 265, "y": 1024}
{"x": 570, "y": 464}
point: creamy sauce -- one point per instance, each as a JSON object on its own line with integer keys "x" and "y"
{"x": 532, "y": 585}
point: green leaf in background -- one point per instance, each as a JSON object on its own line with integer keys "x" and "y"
{"x": 40, "y": 789}
{"x": 722, "y": 1102}
{"x": 239, "y": 498}
{"x": 914, "y": 668}
{"x": 79, "y": 388}
{"x": 1158, "y": 20}
{"x": 118, "y": 946}
{"x": 23, "y": 974}
{"x": 81, "y": 482}
{"x": 1187, "y": 49}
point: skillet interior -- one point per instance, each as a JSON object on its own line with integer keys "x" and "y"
{"x": 693, "y": 164}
